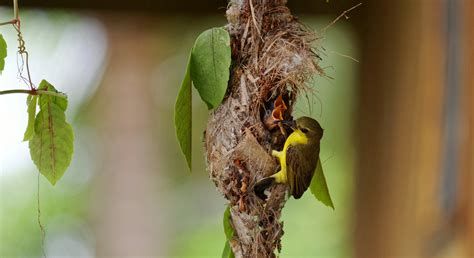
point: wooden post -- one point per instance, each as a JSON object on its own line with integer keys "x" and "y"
{"x": 400, "y": 127}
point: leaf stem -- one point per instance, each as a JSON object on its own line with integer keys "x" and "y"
{"x": 34, "y": 92}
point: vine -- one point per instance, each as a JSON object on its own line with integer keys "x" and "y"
{"x": 50, "y": 136}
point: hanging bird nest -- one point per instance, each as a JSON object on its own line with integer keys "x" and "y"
{"x": 273, "y": 56}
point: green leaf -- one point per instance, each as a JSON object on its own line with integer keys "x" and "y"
{"x": 44, "y": 99}
{"x": 229, "y": 233}
{"x": 183, "y": 116}
{"x": 3, "y": 52}
{"x": 208, "y": 69}
{"x": 227, "y": 252}
{"x": 30, "y": 128}
{"x": 51, "y": 146}
{"x": 319, "y": 187}
{"x": 228, "y": 230}
{"x": 210, "y": 63}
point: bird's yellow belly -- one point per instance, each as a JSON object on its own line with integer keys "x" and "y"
{"x": 297, "y": 137}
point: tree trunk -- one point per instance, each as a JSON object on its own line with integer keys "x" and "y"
{"x": 271, "y": 55}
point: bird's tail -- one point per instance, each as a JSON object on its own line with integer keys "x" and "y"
{"x": 262, "y": 185}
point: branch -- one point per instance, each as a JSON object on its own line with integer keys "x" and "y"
{"x": 15, "y": 15}
{"x": 8, "y": 22}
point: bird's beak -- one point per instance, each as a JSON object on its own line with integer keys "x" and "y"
{"x": 289, "y": 123}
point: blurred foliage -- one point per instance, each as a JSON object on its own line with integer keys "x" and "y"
{"x": 63, "y": 211}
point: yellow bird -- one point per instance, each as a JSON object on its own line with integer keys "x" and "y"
{"x": 298, "y": 159}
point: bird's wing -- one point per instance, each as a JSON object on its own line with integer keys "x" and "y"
{"x": 300, "y": 169}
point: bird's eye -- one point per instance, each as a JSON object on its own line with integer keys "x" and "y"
{"x": 304, "y": 130}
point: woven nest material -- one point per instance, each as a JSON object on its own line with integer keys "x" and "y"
{"x": 272, "y": 55}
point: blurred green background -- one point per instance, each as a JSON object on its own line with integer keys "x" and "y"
{"x": 91, "y": 210}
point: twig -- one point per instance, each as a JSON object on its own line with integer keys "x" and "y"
{"x": 14, "y": 21}
{"x": 343, "y": 14}
{"x": 16, "y": 12}
{"x": 34, "y": 92}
